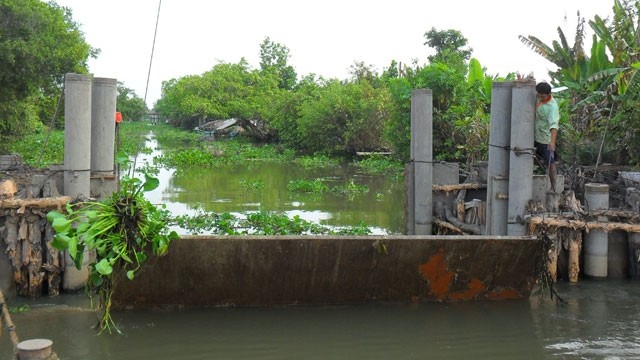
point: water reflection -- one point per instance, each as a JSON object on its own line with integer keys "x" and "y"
{"x": 221, "y": 190}
{"x": 600, "y": 321}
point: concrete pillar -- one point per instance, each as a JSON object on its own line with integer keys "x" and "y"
{"x": 77, "y": 134}
{"x": 422, "y": 158}
{"x": 618, "y": 255}
{"x": 36, "y": 349}
{"x": 634, "y": 255}
{"x": 596, "y": 246}
{"x": 523, "y": 109}
{"x": 73, "y": 279}
{"x": 541, "y": 186}
{"x": 103, "y": 125}
{"x": 498, "y": 170}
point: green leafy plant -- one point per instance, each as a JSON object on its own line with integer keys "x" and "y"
{"x": 252, "y": 184}
{"x": 350, "y": 190}
{"x": 260, "y": 223}
{"x": 19, "y": 309}
{"x": 316, "y": 186}
{"x": 123, "y": 230}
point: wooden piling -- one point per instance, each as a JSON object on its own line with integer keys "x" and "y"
{"x": 574, "y": 240}
{"x": 6, "y": 320}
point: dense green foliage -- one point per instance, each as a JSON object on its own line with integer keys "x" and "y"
{"x": 602, "y": 87}
{"x": 39, "y": 43}
{"x": 130, "y": 104}
{"x": 226, "y": 91}
{"x": 367, "y": 112}
{"x": 274, "y": 59}
{"x": 259, "y": 223}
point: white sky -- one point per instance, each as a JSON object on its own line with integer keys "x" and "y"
{"x": 324, "y": 37}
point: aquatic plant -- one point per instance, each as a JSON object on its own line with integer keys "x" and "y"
{"x": 259, "y": 223}
{"x": 316, "y": 161}
{"x": 252, "y": 184}
{"x": 379, "y": 164}
{"x": 316, "y": 186}
{"x": 350, "y": 190}
{"x": 123, "y": 230}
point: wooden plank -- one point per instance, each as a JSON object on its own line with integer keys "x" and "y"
{"x": 42, "y": 203}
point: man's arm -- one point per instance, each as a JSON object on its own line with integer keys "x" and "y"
{"x": 554, "y": 136}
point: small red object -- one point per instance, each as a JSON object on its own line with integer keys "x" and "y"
{"x": 118, "y": 117}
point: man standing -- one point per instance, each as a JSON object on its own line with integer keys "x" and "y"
{"x": 546, "y": 130}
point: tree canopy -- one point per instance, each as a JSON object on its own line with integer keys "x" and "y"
{"x": 39, "y": 43}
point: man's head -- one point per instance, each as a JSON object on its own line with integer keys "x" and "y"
{"x": 543, "y": 88}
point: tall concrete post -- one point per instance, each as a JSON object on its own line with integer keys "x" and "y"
{"x": 103, "y": 125}
{"x": 596, "y": 244}
{"x": 498, "y": 170}
{"x": 523, "y": 110}
{"x": 422, "y": 158}
{"x": 77, "y": 134}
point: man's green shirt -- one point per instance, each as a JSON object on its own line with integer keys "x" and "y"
{"x": 547, "y": 118}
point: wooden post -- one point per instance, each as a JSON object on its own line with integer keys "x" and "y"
{"x": 575, "y": 247}
{"x": 8, "y": 324}
{"x": 552, "y": 256}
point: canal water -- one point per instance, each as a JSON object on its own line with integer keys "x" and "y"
{"x": 601, "y": 320}
{"x": 233, "y": 189}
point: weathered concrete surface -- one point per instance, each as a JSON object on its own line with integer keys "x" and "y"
{"x": 204, "y": 271}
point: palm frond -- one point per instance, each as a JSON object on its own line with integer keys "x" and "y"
{"x": 563, "y": 40}
{"x": 537, "y": 46}
{"x": 562, "y": 56}
{"x": 605, "y": 74}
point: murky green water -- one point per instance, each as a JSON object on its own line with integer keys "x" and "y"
{"x": 226, "y": 190}
{"x": 601, "y": 321}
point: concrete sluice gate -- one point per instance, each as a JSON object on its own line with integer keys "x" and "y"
{"x": 213, "y": 271}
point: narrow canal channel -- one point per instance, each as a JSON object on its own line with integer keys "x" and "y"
{"x": 601, "y": 320}
{"x": 254, "y": 186}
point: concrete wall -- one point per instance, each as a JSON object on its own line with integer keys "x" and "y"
{"x": 203, "y": 271}
{"x": 541, "y": 185}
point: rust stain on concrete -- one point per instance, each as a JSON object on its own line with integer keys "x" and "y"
{"x": 476, "y": 287}
{"x": 440, "y": 279}
{"x": 436, "y": 273}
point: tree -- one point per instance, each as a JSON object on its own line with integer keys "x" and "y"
{"x": 450, "y": 46}
{"x": 343, "y": 118}
{"x": 39, "y": 44}
{"x": 226, "y": 91}
{"x": 129, "y": 104}
{"x": 461, "y": 96}
{"x": 360, "y": 71}
{"x": 274, "y": 58}
{"x": 622, "y": 39}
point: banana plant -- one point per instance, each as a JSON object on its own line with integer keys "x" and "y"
{"x": 599, "y": 82}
